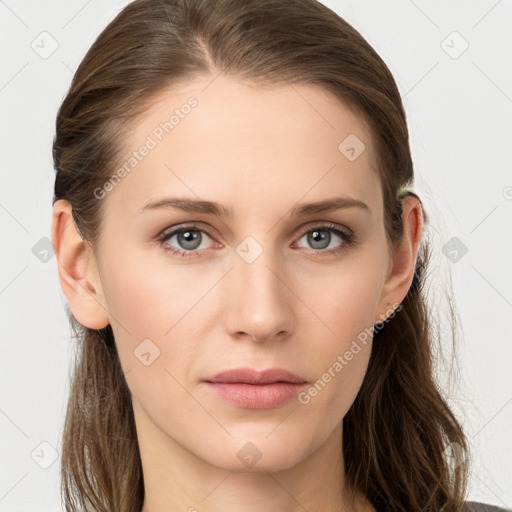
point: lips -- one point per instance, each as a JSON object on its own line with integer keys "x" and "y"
{"x": 253, "y": 389}
{"x": 252, "y": 376}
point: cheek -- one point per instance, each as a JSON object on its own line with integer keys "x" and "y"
{"x": 156, "y": 309}
{"x": 341, "y": 367}
{"x": 347, "y": 309}
{"x": 345, "y": 301}
{"x": 149, "y": 297}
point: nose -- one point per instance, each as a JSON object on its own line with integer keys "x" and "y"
{"x": 259, "y": 306}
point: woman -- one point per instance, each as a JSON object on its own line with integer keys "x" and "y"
{"x": 244, "y": 264}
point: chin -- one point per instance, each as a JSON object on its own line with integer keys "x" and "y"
{"x": 257, "y": 454}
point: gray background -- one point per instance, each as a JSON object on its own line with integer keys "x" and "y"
{"x": 459, "y": 107}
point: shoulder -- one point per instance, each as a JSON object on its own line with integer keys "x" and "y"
{"x": 483, "y": 507}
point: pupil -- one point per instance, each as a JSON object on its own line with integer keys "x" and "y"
{"x": 188, "y": 239}
{"x": 320, "y": 236}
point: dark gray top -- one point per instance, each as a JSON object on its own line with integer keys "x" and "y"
{"x": 475, "y": 506}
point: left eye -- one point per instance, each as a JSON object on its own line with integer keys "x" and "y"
{"x": 320, "y": 238}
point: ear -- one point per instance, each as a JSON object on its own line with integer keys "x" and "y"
{"x": 78, "y": 271}
{"x": 403, "y": 263}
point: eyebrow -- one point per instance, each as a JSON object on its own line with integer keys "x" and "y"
{"x": 219, "y": 210}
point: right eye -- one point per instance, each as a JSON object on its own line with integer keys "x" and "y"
{"x": 188, "y": 239}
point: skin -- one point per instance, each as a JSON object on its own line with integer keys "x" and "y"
{"x": 258, "y": 151}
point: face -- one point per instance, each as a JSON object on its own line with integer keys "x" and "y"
{"x": 262, "y": 283}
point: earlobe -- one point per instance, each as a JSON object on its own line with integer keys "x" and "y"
{"x": 78, "y": 275}
{"x": 404, "y": 260}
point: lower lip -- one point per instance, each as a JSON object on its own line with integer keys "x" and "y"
{"x": 256, "y": 396}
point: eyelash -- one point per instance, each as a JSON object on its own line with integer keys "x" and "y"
{"x": 348, "y": 238}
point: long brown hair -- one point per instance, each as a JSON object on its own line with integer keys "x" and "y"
{"x": 399, "y": 429}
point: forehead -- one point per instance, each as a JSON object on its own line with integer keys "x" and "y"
{"x": 235, "y": 141}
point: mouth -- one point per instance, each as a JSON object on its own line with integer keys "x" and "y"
{"x": 253, "y": 389}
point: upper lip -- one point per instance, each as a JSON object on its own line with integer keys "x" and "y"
{"x": 253, "y": 376}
